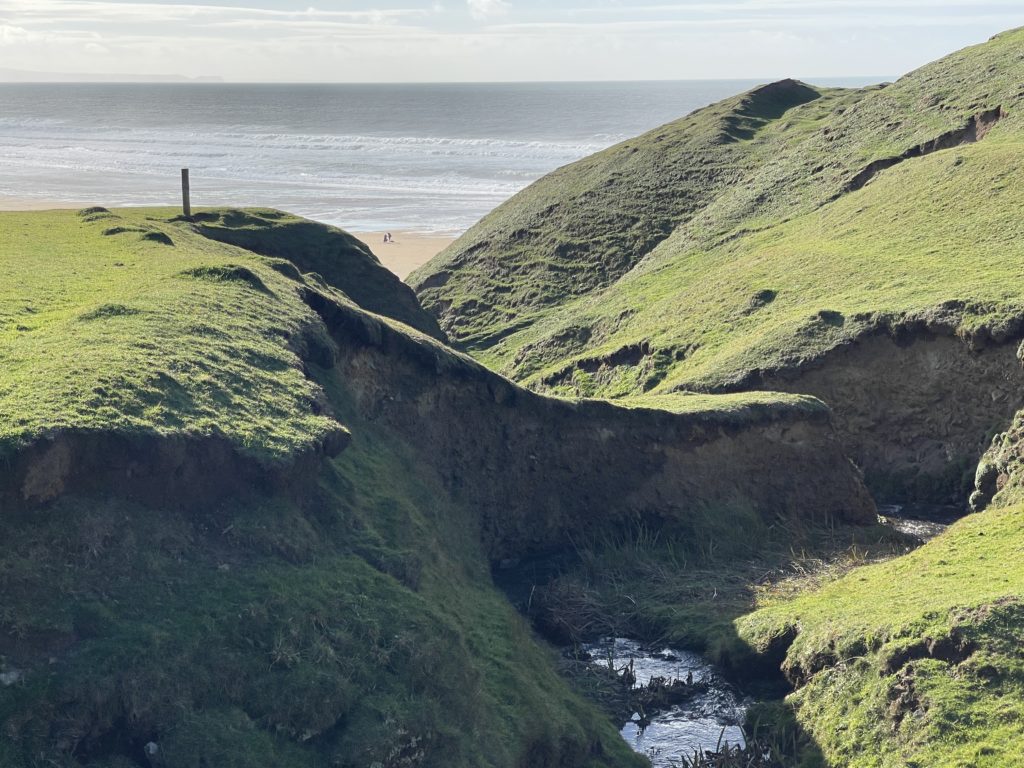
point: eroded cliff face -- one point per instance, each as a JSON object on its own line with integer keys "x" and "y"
{"x": 915, "y": 410}
{"x": 540, "y": 469}
{"x": 176, "y": 471}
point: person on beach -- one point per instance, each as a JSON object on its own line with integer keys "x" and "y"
{"x": 390, "y": 238}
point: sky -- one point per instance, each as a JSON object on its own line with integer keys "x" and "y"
{"x": 489, "y": 40}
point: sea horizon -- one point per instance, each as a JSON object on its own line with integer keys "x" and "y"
{"x": 415, "y": 157}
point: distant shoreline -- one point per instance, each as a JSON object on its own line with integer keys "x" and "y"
{"x": 408, "y": 251}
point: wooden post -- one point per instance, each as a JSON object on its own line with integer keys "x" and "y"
{"x": 186, "y": 202}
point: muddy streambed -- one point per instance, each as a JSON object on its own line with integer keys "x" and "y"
{"x": 696, "y": 711}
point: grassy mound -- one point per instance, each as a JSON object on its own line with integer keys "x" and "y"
{"x": 344, "y": 262}
{"x": 119, "y": 333}
{"x": 817, "y": 215}
{"x": 342, "y": 614}
{"x": 916, "y": 661}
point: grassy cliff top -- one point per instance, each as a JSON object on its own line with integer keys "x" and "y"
{"x": 133, "y": 321}
{"x": 827, "y": 215}
{"x": 137, "y": 322}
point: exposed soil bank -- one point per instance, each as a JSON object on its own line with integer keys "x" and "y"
{"x": 539, "y": 468}
{"x": 915, "y": 412}
{"x": 170, "y": 471}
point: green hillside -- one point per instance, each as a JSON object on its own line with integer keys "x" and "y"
{"x": 246, "y": 521}
{"x": 787, "y": 235}
{"x": 833, "y": 220}
{"x": 191, "y": 560}
{"x": 862, "y": 246}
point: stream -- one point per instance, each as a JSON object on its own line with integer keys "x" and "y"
{"x": 691, "y": 709}
{"x": 920, "y": 521}
{"x": 705, "y": 720}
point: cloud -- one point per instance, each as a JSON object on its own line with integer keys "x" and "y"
{"x": 402, "y": 40}
{"x": 485, "y": 9}
{"x": 10, "y": 35}
{"x": 54, "y": 12}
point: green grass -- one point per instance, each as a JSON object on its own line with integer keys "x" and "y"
{"x": 740, "y": 407}
{"x": 750, "y": 267}
{"x": 114, "y": 332}
{"x": 865, "y": 699}
{"x": 939, "y": 229}
{"x": 346, "y": 618}
{"x": 345, "y": 263}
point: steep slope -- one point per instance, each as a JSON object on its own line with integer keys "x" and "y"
{"x": 744, "y": 163}
{"x": 344, "y": 262}
{"x": 246, "y": 521}
{"x": 584, "y": 226}
{"x": 859, "y": 223}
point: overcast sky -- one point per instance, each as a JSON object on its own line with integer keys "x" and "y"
{"x": 491, "y": 40}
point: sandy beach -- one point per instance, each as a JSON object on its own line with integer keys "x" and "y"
{"x": 408, "y": 250}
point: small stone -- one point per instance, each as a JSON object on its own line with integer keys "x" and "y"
{"x": 10, "y": 678}
{"x": 152, "y": 748}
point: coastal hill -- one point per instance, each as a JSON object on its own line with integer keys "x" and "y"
{"x": 262, "y": 504}
{"x": 250, "y": 516}
{"x": 791, "y": 238}
{"x": 863, "y": 246}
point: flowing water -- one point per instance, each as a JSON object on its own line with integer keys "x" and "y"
{"x": 706, "y": 721}
{"x": 921, "y": 521}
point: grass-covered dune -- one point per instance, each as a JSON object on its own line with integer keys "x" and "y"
{"x": 344, "y": 262}
{"x": 247, "y": 521}
{"x": 801, "y": 229}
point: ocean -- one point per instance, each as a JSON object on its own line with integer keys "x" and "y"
{"x": 421, "y": 158}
